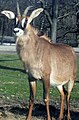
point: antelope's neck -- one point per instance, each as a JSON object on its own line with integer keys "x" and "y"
{"x": 26, "y": 45}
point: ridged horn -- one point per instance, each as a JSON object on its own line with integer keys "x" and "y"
{"x": 26, "y": 10}
{"x": 18, "y": 10}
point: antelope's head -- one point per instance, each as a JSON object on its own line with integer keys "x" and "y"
{"x": 21, "y": 21}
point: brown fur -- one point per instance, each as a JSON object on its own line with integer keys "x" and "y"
{"x": 53, "y": 64}
{"x": 44, "y": 60}
{"x": 37, "y": 49}
{"x": 40, "y": 34}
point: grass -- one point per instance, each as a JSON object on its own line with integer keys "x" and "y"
{"x": 14, "y": 82}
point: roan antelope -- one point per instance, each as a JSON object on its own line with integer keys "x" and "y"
{"x": 53, "y": 64}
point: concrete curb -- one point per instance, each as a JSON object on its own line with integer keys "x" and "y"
{"x": 9, "y": 48}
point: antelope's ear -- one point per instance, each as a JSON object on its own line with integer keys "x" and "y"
{"x": 34, "y": 14}
{"x": 8, "y": 14}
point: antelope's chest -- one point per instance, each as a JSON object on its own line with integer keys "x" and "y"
{"x": 36, "y": 73}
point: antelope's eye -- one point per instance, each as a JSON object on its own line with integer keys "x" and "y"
{"x": 24, "y": 22}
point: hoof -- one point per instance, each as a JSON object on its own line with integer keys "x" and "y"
{"x": 60, "y": 119}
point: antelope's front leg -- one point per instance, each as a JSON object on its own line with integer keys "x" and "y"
{"x": 32, "y": 85}
{"x": 46, "y": 87}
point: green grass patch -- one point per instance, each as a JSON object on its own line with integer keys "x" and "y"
{"x": 14, "y": 82}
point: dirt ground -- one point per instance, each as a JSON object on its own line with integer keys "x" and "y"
{"x": 19, "y": 112}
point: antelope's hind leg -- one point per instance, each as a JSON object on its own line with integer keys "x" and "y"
{"x": 65, "y": 94}
{"x": 70, "y": 86}
{"x": 32, "y": 85}
{"x": 61, "y": 90}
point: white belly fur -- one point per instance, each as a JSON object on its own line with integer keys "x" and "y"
{"x": 54, "y": 83}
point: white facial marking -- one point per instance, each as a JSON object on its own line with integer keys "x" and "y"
{"x": 17, "y": 20}
{"x": 18, "y": 31}
{"x": 23, "y": 21}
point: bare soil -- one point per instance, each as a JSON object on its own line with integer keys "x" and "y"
{"x": 19, "y": 112}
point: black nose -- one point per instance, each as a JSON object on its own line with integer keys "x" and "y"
{"x": 15, "y": 31}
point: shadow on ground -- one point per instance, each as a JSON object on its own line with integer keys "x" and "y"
{"x": 39, "y": 112}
